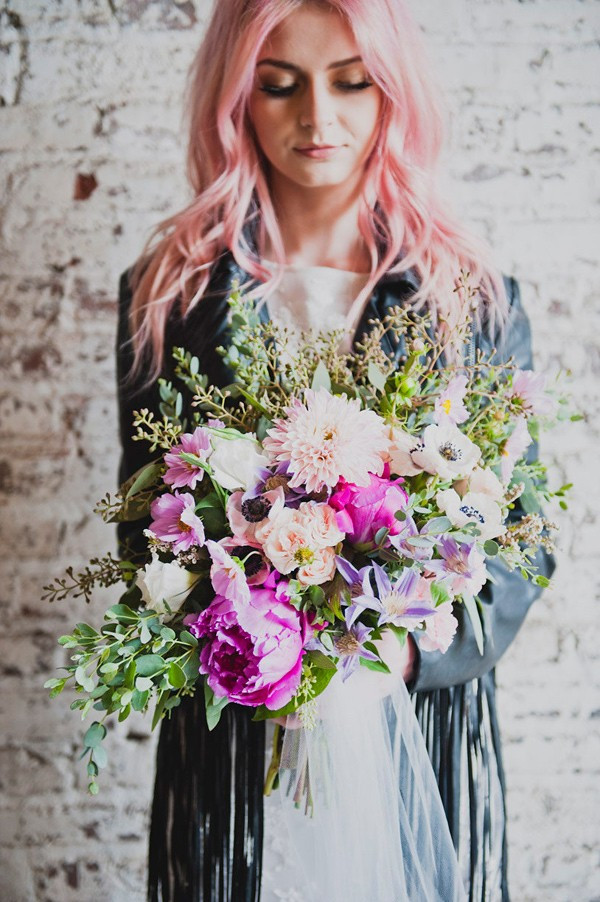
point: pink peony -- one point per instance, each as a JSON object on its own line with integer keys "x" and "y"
{"x": 253, "y": 653}
{"x": 175, "y": 521}
{"x": 362, "y": 511}
{"x": 180, "y": 473}
{"x": 440, "y": 629}
{"x": 327, "y": 438}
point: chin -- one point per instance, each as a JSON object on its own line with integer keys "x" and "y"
{"x": 321, "y": 179}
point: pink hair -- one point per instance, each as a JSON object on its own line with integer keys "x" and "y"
{"x": 407, "y": 226}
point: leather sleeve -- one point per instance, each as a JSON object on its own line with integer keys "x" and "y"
{"x": 131, "y": 397}
{"x": 505, "y": 601}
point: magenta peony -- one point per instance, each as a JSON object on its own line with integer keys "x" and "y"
{"x": 362, "y": 511}
{"x": 253, "y": 652}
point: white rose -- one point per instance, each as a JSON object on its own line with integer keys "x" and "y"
{"x": 163, "y": 584}
{"x": 473, "y": 507}
{"x": 235, "y": 461}
{"x": 446, "y": 451}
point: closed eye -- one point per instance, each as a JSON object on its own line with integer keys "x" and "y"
{"x": 276, "y": 91}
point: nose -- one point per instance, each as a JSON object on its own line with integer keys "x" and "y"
{"x": 316, "y": 106}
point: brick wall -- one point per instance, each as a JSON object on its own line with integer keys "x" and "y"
{"x": 90, "y": 99}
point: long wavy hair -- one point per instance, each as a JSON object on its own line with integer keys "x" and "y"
{"x": 402, "y": 218}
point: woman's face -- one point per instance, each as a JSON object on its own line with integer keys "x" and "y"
{"x": 313, "y": 107}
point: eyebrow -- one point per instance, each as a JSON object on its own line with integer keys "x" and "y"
{"x": 282, "y": 64}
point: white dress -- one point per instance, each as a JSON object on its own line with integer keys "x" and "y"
{"x": 309, "y": 298}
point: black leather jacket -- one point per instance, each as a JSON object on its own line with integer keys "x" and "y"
{"x": 506, "y": 600}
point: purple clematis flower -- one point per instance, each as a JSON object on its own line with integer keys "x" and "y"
{"x": 175, "y": 521}
{"x": 396, "y": 602}
{"x": 400, "y": 542}
{"x": 462, "y": 567}
{"x": 350, "y": 647}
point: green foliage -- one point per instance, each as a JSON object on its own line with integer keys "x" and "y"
{"x": 132, "y": 661}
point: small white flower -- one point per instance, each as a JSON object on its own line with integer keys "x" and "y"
{"x": 446, "y": 452}
{"x": 485, "y": 482}
{"x": 473, "y": 507}
{"x": 235, "y": 461}
{"x": 400, "y": 452}
{"x": 163, "y": 584}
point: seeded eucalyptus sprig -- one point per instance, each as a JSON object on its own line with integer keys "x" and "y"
{"x": 105, "y": 571}
{"x": 132, "y": 661}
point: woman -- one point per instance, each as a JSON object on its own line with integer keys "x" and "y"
{"x": 314, "y": 138}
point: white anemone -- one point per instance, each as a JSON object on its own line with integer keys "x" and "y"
{"x": 446, "y": 452}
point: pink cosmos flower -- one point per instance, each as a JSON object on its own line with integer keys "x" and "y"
{"x": 180, "y": 473}
{"x": 253, "y": 654}
{"x": 175, "y": 521}
{"x": 362, "y": 511}
{"x": 530, "y": 389}
{"x": 514, "y": 448}
{"x": 449, "y": 406}
{"x": 440, "y": 629}
{"x": 226, "y": 575}
{"x": 326, "y": 438}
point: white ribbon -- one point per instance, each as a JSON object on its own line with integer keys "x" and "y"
{"x": 368, "y": 823}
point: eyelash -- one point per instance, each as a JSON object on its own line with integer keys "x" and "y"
{"x": 274, "y": 91}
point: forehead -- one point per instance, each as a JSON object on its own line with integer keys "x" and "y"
{"x": 311, "y": 37}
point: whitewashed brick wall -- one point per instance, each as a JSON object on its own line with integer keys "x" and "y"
{"x": 94, "y": 87}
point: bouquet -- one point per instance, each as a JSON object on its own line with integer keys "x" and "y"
{"x": 299, "y": 515}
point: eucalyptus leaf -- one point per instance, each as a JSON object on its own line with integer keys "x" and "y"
{"x": 149, "y": 665}
{"x": 100, "y": 756}
{"x": 144, "y": 477}
{"x": 376, "y": 377}
{"x": 437, "y": 526}
{"x": 94, "y": 735}
{"x": 177, "y": 677}
{"x": 321, "y": 377}
{"x": 378, "y": 666}
{"x": 139, "y": 699}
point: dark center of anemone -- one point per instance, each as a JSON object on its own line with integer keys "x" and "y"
{"x": 450, "y": 452}
{"x": 255, "y": 509}
{"x": 250, "y": 556}
{"x": 472, "y": 513}
{"x": 184, "y": 527}
{"x": 347, "y": 644}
